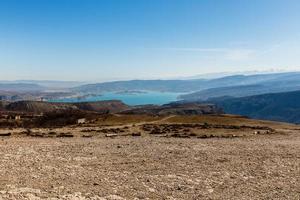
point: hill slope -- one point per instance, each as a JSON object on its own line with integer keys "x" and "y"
{"x": 112, "y": 106}
{"x": 44, "y": 107}
{"x": 278, "y": 106}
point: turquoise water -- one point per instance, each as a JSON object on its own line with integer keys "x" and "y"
{"x": 158, "y": 98}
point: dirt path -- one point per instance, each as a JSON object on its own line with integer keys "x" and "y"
{"x": 143, "y": 122}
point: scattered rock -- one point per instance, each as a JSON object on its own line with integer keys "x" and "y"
{"x": 5, "y": 134}
{"x": 111, "y": 135}
{"x": 87, "y": 136}
{"x": 136, "y": 134}
{"x": 65, "y": 135}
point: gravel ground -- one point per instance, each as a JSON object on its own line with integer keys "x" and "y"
{"x": 260, "y": 167}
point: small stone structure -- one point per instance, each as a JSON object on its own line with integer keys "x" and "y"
{"x": 17, "y": 117}
{"x": 81, "y": 121}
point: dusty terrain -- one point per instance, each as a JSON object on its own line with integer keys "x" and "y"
{"x": 115, "y": 158}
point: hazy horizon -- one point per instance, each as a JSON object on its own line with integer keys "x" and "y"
{"x": 139, "y": 39}
{"x": 212, "y": 75}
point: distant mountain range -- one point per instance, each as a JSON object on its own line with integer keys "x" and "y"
{"x": 20, "y": 87}
{"x": 46, "y": 84}
{"x": 186, "y": 86}
{"x": 249, "y": 85}
{"x": 35, "y": 89}
{"x": 223, "y": 74}
{"x": 235, "y": 85}
{"x": 150, "y": 85}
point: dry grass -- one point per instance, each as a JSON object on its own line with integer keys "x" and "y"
{"x": 227, "y": 120}
{"x": 126, "y": 119}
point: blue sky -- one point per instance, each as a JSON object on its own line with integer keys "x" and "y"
{"x": 94, "y": 40}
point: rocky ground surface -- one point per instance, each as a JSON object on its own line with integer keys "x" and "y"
{"x": 262, "y": 167}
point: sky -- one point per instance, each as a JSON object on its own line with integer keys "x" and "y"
{"x": 96, "y": 40}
